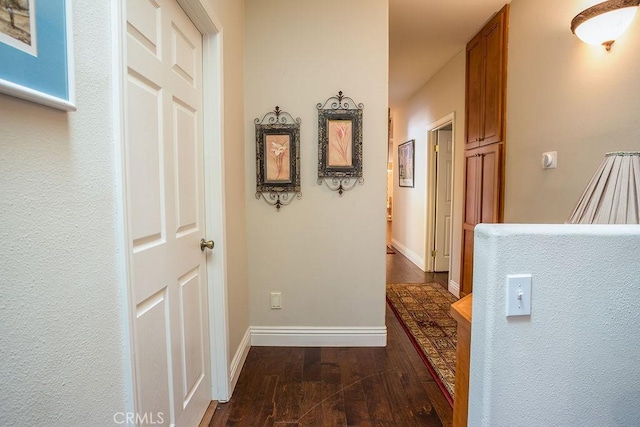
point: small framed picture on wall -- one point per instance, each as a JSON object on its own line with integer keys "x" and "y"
{"x": 406, "y": 163}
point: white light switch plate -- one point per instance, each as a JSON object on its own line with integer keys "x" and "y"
{"x": 549, "y": 160}
{"x": 276, "y": 300}
{"x": 518, "y": 295}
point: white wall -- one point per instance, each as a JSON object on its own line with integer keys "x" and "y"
{"x": 325, "y": 253}
{"x": 62, "y": 343}
{"x": 573, "y": 362}
{"x": 565, "y": 96}
{"x": 441, "y": 95}
{"x": 231, "y": 15}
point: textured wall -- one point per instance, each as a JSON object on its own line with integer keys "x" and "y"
{"x": 61, "y": 304}
{"x": 441, "y": 95}
{"x": 325, "y": 253}
{"x": 565, "y": 96}
{"x": 574, "y": 361}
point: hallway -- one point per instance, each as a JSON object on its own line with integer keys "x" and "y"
{"x": 341, "y": 386}
{"x": 401, "y": 270}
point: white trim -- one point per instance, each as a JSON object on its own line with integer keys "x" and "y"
{"x": 430, "y": 187}
{"x": 122, "y": 202}
{"x": 419, "y": 261}
{"x": 309, "y": 336}
{"x": 238, "y": 360}
{"x": 202, "y": 16}
{"x": 454, "y": 288}
{"x": 215, "y": 214}
{"x": 430, "y": 199}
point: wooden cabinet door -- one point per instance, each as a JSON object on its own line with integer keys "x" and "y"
{"x": 466, "y": 273}
{"x": 493, "y": 39}
{"x": 471, "y": 187}
{"x": 474, "y": 89}
{"x": 472, "y": 194}
{"x": 490, "y": 183}
{"x": 482, "y": 200}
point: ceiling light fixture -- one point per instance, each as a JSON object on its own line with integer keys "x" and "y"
{"x": 603, "y": 23}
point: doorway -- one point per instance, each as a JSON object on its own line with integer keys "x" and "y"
{"x": 440, "y": 141}
{"x": 170, "y": 119}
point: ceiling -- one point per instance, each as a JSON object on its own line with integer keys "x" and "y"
{"x": 426, "y": 34}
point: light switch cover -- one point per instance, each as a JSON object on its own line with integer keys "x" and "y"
{"x": 518, "y": 295}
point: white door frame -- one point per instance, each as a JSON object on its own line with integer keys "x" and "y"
{"x": 201, "y": 14}
{"x": 431, "y": 184}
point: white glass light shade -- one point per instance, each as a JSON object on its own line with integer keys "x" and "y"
{"x": 613, "y": 194}
{"x": 607, "y": 27}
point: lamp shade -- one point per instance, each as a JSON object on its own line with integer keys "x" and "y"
{"x": 613, "y": 194}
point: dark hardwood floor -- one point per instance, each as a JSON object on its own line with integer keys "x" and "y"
{"x": 359, "y": 386}
{"x": 401, "y": 270}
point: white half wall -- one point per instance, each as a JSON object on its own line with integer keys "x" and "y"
{"x": 573, "y": 362}
{"x": 324, "y": 253}
{"x": 440, "y": 96}
{"x": 63, "y": 349}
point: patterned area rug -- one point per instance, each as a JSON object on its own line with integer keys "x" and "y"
{"x": 423, "y": 309}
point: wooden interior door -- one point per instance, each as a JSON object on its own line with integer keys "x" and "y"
{"x": 165, "y": 190}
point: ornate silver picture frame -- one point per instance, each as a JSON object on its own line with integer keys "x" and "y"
{"x": 340, "y": 143}
{"x": 278, "y": 158}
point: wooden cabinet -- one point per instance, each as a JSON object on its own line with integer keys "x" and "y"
{"x": 485, "y": 135}
{"x": 482, "y": 201}
{"x": 485, "y": 83}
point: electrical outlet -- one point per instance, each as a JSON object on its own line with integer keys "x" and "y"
{"x": 276, "y": 300}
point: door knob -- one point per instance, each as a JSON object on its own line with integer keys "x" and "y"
{"x": 206, "y": 244}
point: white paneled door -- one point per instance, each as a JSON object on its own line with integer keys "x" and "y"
{"x": 165, "y": 180}
{"x": 444, "y": 193}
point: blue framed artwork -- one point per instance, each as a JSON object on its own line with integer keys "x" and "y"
{"x": 36, "y": 52}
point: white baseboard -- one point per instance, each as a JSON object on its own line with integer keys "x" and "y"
{"x": 283, "y": 336}
{"x": 454, "y": 288}
{"x": 238, "y": 360}
{"x": 412, "y": 256}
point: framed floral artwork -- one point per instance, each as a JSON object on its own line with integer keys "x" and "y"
{"x": 278, "y": 158}
{"x": 406, "y": 163}
{"x": 340, "y": 143}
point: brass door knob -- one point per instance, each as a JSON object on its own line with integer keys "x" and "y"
{"x": 206, "y": 244}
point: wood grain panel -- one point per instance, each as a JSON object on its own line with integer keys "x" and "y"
{"x": 471, "y": 187}
{"x": 474, "y": 92}
{"x": 466, "y": 277}
{"x": 461, "y": 312}
{"x": 491, "y": 184}
{"x": 494, "y": 81}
